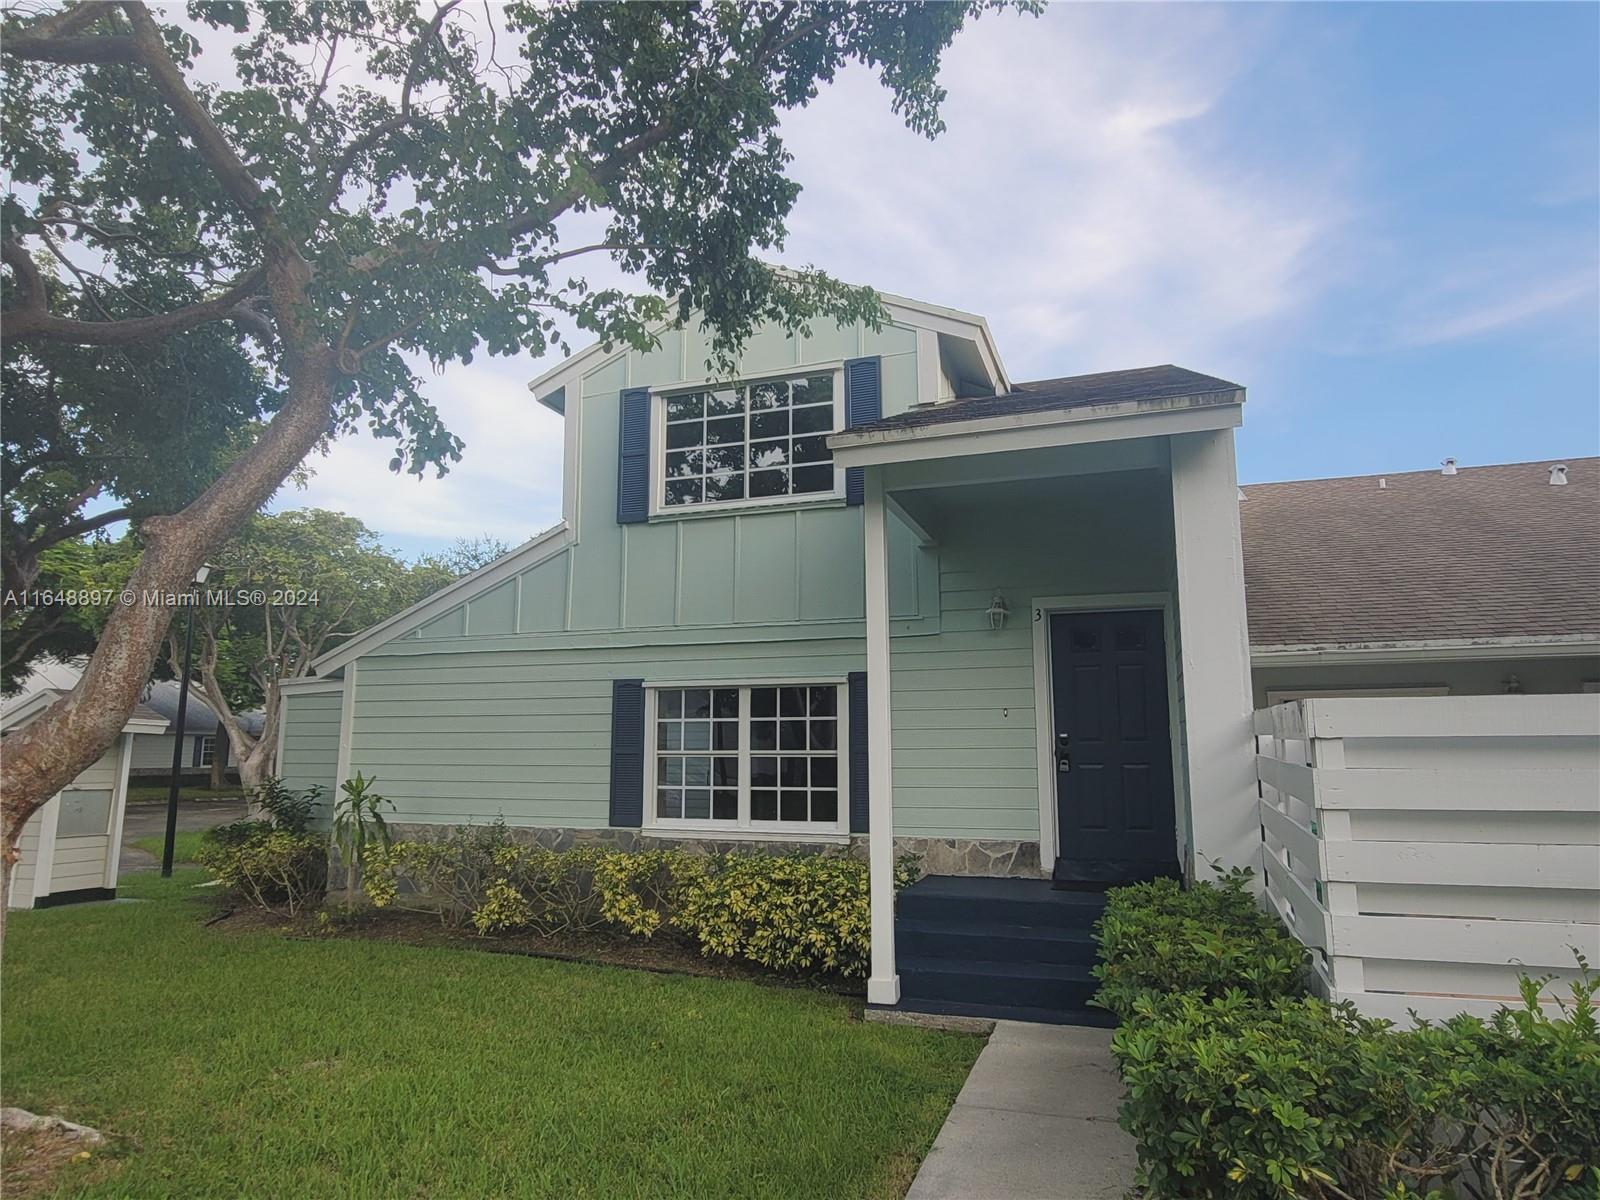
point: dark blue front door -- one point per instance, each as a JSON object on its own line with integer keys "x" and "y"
{"x": 1113, "y": 745}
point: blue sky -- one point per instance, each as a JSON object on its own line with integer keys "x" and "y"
{"x": 1384, "y": 220}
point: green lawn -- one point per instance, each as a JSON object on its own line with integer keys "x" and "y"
{"x": 184, "y": 847}
{"x": 233, "y": 1064}
{"x": 157, "y": 793}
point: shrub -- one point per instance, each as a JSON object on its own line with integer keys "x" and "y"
{"x": 796, "y": 914}
{"x": 1208, "y": 939}
{"x": 284, "y": 807}
{"x": 1239, "y": 1085}
{"x": 270, "y": 868}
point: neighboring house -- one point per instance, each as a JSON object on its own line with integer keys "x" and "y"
{"x": 874, "y": 592}
{"x": 69, "y": 848}
{"x": 203, "y": 736}
{"x": 1465, "y": 581}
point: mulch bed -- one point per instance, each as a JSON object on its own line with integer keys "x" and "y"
{"x": 666, "y": 953}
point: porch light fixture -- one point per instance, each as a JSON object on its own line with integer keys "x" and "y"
{"x": 999, "y": 610}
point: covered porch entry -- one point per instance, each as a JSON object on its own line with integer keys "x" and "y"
{"x": 1080, "y": 714}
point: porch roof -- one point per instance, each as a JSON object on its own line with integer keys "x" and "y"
{"x": 1076, "y": 408}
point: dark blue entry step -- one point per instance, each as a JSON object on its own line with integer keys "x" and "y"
{"x": 1004, "y": 948}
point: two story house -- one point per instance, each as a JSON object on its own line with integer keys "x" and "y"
{"x": 872, "y": 592}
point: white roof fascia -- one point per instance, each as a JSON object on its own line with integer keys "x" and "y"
{"x": 902, "y": 309}
{"x": 1040, "y": 427}
{"x": 922, "y": 315}
{"x": 311, "y": 683}
{"x": 1576, "y": 645}
{"x": 25, "y": 709}
{"x": 530, "y": 554}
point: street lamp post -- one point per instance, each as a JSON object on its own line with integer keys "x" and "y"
{"x": 177, "y": 740}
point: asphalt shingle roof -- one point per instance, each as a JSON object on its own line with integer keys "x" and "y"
{"x": 1073, "y": 391}
{"x": 1489, "y": 552}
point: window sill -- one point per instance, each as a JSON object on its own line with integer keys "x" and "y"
{"x": 830, "y": 837}
{"x": 700, "y": 512}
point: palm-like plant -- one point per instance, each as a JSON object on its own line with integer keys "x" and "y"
{"x": 357, "y": 823}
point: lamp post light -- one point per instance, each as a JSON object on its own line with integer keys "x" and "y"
{"x": 177, "y": 740}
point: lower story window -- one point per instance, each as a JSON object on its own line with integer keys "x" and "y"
{"x": 757, "y": 756}
{"x": 206, "y": 750}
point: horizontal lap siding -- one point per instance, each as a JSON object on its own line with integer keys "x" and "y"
{"x": 526, "y": 735}
{"x": 311, "y": 741}
{"x": 965, "y": 728}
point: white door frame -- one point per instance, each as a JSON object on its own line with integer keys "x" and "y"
{"x": 1040, "y": 610}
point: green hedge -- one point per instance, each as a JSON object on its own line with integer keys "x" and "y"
{"x": 1242, "y": 1085}
{"x": 797, "y": 914}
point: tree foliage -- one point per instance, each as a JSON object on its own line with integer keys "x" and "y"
{"x": 375, "y": 183}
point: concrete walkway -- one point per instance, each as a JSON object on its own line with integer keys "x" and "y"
{"x": 143, "y": 820}
{"x": 1037, "y": 1120}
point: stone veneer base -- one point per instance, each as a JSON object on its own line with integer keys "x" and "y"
{"x": 994, "y": 857}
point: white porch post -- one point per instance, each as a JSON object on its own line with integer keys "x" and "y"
{"x": 883, "y": 986}
{"x": 1218, "y": 737}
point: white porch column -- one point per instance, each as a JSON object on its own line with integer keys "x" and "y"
{"x": 883, "y": 986}
{"x": 1218, "y": 740}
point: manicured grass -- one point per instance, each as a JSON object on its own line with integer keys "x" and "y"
{"x": 184, "y": 847}
{"x": 251, "y": 1064}
{"x": 157, "y": 793}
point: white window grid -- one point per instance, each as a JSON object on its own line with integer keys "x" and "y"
{"x": 821, "y": 783}
{"x": 798, "y": 453}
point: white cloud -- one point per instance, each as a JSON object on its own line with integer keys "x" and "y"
{"x": 1077, "y": 198}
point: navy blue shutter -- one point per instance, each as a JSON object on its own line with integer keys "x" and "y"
{"x": 627, "y": 753}
{"x": 863, "y": 403}
{"x": 633, "y": 457}
{"x": 197, "y": 751}
{"x": 858, "y": 751}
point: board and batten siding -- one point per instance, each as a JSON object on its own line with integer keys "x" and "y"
{"x": 310, "y": 740}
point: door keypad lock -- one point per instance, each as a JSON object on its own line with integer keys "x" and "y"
{"x": 1063, "y": 760}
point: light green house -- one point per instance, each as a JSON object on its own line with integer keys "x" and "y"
{"x": 875, "y": 591}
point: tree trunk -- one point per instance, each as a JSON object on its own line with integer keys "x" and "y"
{"x": 49, "y": 752}
{"x": 219, "y": 761}
{"x": 257, "y": 764}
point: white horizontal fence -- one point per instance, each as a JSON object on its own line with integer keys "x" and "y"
{"x": 1428, "y": 849}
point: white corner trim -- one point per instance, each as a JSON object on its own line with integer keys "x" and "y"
{"x": 1032, "y": 430}
{"x": 347, "y": 710}
{"x": 119, "y": 811}
{"x": 530, "y": 554}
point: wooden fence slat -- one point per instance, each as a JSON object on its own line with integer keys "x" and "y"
{"x": 1451, "y": 939}
{"x": 1295, "y": 779}
{"x": 1525, "y": 789}
{"x": 1455, "y": 863}
{"x": 1300, "y": 841}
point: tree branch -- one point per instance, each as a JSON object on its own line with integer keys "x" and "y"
{"x": 219, "y": 155}
{"x": 31, "y": 321}
{"x": 359, "y": 146}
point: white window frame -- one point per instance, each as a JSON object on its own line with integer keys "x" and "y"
{"x": 658, "y": 446}
{"x": 744, "y": 829}
{"x": 208, "y": 748}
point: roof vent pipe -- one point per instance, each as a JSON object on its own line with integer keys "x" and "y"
{"x": 1558, "y": 475}
{"x": 1449, "y": 467}
{"x": 1383, "y": 484}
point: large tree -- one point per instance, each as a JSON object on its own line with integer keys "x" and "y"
{"x": 290, "y": 586}
{"x": 377, "y": 180}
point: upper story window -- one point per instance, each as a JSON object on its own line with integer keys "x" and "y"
{"x": 765, "y": 440}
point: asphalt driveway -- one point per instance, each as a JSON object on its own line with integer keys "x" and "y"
{"x": 145, "y": 819}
